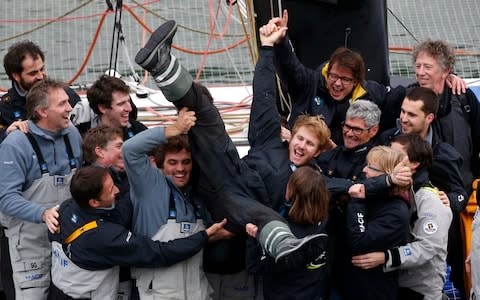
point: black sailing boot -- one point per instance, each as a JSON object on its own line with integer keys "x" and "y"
{"x": 155, "y": 57}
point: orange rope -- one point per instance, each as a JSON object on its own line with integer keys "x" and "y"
{"x": 227, "y": 22}
{"x": 145, "y": 26}
{"x": 90, "y": 49}
{"x": 212, "y": 32}
{"x": 235, "y": 106}
{"x": 215, "y": 51}
{"x": 210, "y": 38}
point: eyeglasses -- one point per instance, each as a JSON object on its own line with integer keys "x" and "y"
{"x": 356, "y": 130}
{"x": 345, "y": 80}
{"x": 374, "y": 169}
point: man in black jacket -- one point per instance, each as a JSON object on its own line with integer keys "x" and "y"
{"x": 91, "y": 238}
{"x": 458, "y": 118}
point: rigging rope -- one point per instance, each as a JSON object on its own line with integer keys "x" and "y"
{"x": 204, "y": 53}
{"x": 189, "y": 51}
{"x": 46, "y": 24}
{"x": 402, "y": 24}
{"x": 117, "y": 28}
{"x": 137, "y": 18}
{"x": 90, "y": 49}
{"x": 213, "y": 25}
{"x": 179, "y": 25}
{"x": 251, "y": 47}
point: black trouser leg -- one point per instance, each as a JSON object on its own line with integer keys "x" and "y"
{"x": 229, "y": 186}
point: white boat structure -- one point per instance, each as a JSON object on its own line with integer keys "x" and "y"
{"x": 233, "y": 103}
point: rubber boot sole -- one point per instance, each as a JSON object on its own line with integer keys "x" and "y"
{"x": 306, "y": 243}
{"x": 158, "y": 37}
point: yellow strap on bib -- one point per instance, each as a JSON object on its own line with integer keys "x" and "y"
{"x": 80, "y": 231}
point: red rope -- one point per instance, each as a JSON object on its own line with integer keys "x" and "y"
{"x": 211, "y": 37}
{"x": 103, "y": 15}
{"x": 185, "y": 50}
{"x": 90, "y": 49}
{"x": 44, "y": 20}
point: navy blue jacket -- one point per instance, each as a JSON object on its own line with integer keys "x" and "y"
{"x": 268, "y": 155}
{"x": 112, "y": 244}
{"x": 458, "y": 124}
{"x": 374, "y": 224}
{"x": 344, "y": 167}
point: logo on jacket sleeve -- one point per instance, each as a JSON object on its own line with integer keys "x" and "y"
{"x": 430, "y": 227}
{"x": 407, "y": 251}
{"x": 74, "y": 218}
{"x": 361, "y": 222}
{"x": 318, "y": 100}
{"x": 6, "y": 99}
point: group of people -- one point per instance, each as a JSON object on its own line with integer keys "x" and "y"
{"x": 361, "y": 200}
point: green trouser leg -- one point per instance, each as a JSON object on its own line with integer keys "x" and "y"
{"x": 272, "y": 234}
{"x": 176, "y": 83}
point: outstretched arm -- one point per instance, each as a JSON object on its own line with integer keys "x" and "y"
{"x": 264, "y": 124}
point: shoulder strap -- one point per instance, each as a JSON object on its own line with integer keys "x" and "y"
{"x": 128, "y": 133}
{"x": 79, "y": 231}
{"x": 41, "y": 161}
{"x": 71, "y": 158}
{"x": 172, "y": 210}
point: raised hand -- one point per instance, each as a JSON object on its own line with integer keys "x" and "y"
{"x": 186, "y": 120}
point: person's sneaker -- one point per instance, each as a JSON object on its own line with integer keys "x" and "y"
{"x": 294, "y": 252}
{"x": 155, "y": 55}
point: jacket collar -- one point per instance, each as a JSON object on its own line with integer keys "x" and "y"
{"x": 17, "y": 89}
{"x": 360, "y": 149}
{"x": 33, "y": 128}
{"x": 358, "y": 91}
